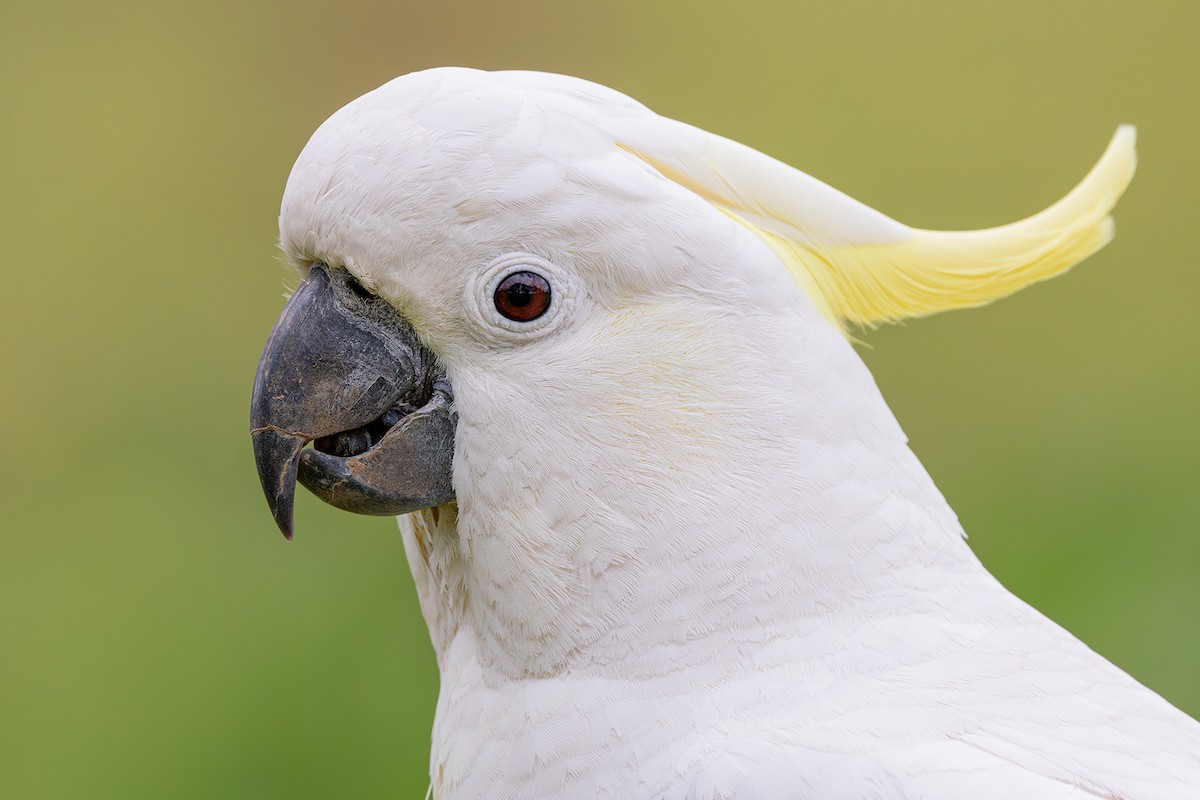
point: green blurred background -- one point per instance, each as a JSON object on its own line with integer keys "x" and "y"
{"x": 158, "y": 638}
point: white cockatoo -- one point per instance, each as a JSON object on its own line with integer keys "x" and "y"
{"x": 668, "y": 538}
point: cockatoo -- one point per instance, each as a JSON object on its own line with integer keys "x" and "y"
{"x": 668, "y": 538}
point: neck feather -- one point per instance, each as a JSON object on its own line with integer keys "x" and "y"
{"x": 776, "y": 496}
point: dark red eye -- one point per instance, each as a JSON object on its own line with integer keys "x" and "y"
{"x": 522, "y": 296}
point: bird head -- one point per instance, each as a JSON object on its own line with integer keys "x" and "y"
{"x": 607, "y": 341}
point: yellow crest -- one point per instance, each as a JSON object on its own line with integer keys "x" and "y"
{"x": 859, "y": 266}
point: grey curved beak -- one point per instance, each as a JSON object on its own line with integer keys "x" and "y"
{"x": 344, "y": 369}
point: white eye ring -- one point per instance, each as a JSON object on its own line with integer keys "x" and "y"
{"x": 479, "y": 298}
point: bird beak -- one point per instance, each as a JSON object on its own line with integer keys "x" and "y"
{"x": 343, "y": 369}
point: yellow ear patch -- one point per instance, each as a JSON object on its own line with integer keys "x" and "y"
{"x": 861, "y": 267}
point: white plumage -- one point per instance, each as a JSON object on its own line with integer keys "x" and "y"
{"x": 692, "y": 555}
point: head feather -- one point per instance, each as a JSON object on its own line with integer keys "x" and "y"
{"x": 858, "y": 265}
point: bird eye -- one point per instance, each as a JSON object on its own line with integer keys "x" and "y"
{"x": 522, "y": 296}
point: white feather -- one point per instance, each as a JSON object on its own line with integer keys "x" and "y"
{"x": 692, "y": 555}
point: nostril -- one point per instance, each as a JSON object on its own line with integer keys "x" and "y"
{"x": 359, "y": 289}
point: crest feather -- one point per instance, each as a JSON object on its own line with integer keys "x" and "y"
{"x": 860, "y": 266}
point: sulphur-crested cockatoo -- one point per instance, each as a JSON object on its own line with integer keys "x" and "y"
{"x": 668, "y": 538}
